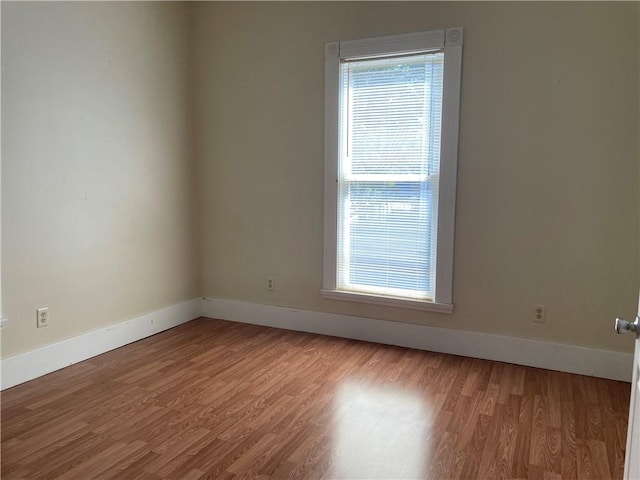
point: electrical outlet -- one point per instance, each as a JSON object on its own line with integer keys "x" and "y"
{"x": 270, "y": 283}
{"x": 42, "y": 318}
{"x": 539, "y": 314}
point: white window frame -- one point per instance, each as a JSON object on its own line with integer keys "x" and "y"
{"x": 450, "y": 41}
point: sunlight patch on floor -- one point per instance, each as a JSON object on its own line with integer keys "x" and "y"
{"x": 379, "y": 433}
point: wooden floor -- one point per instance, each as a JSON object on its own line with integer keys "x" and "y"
{"x": 214, "y": 399}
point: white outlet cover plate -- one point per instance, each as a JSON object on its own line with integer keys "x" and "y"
{"x": 40, "y": 320}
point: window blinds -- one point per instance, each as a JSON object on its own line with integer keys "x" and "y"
{"x": 389, "y": 144}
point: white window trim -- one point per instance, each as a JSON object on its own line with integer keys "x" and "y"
{"x": 449, "y": 40}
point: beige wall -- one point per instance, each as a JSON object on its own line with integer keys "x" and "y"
{"x": 97, "y": 181}
{"x": 548, "y": 167}
{"x": 103, "y": 219}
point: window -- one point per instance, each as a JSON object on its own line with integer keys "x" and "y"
{"x": 391, "y": 147}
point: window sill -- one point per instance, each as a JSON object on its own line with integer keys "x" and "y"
{"x": 387, "y": 301}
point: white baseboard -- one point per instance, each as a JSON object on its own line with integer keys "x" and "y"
{"x": 521, "y": 351}
{"x": 38, "y": 362}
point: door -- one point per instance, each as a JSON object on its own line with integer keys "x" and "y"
{"x": 632, "y": 456}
